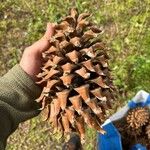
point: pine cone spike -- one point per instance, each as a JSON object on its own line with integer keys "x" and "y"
{"x": 73, "y": 56}
{"x": 57, "y": 59}
{"x": 67, "y": 79}
{"x": 88, "y": 65}
{"x": 81, "y": 25}
{"x": 83, "y": 16}
{"x": 67, "y": 68}
{"x": 65, "y": 123}
{"x": 83, "y": 73}
{"x": 77, "y": 103}
{"x": 98, "y": 70}
{"x": 98, "y": 93}
{"x": 41, "y": 75}
{"x": 52, "y": 112}
{"x": 84, "y": 92}
{"x": 46, "y": 113}
{"x": 90, "y": 121}
{"x": 70, "y": 114}
{"x": 95, "y": 29}
{"x": 62, "y": 97}
{"x": 80, "y": 127}
{"x": 64, "y": 44}
{"x": 57, "y": 107}
{"x": 76, "y": 41}
{"x": 50, "y": 74}
{"x": 75, "y": 75}
{"x": 99, "y": 81}
{"x": 93, "y": 105}
{"x": 51, "y": 50}
{"x": 51, "y": 83}
{"x": 89, "y": 35}
{"x": 70, "y": 20}
{"x": 74, "y": 13}
{"x": 89, "y": 52}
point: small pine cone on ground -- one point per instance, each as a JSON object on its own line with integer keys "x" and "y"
{"x": 78, "y": 88}
{"x": 138, "y": 117}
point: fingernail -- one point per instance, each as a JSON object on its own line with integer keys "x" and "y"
{"x": 52, "y": 24}
{"x": 48, "y": 25}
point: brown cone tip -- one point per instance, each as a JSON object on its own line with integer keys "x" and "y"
{"x": 76, "y": 77}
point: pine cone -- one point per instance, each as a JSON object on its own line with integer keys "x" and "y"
{"x": 138, "y": 117}
{"x": 148, "y": 131}
{"x": 77, "y": 84}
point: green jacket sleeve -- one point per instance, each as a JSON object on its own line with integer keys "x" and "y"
{"x": 17, "y": 101}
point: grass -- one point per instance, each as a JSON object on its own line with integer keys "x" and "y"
{"x": 127, "y": 33}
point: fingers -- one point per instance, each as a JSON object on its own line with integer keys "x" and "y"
{"x": 31, "y": 60}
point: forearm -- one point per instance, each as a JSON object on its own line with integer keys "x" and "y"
{"x": 17, "y": 100}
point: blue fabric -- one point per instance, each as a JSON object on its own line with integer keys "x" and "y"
{"x": 132, "y": 104}
{"x": 111, "y": 140}
{"x": 138, "y": 147}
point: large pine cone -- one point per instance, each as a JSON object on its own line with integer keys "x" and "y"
{"x": 138, "y": 117}
{"x": 77, "y": 84}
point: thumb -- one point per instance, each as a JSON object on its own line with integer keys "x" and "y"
{"x": 49, "y": 31}
{"x": 43, "y": 44}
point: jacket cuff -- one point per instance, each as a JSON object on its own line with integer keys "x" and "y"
{"x": 19, "y": 76}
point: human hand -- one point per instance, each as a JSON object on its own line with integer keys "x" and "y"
{"x": 31, "y": 60}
